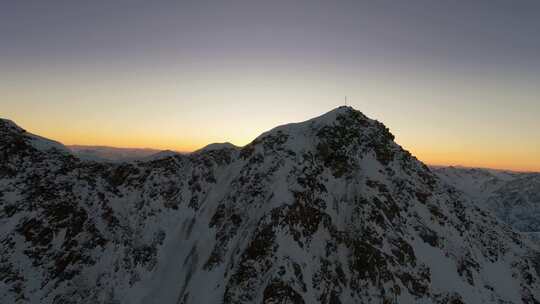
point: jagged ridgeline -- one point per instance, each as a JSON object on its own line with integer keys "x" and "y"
{"x": 330, "y": 210}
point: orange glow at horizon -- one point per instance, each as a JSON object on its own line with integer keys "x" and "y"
{"x": 441, "y": 119}
{"x": 514, "y": 160}
{"x": 451, "y": 154}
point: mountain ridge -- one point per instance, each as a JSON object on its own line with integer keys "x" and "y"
{"x": 330, "y": 210}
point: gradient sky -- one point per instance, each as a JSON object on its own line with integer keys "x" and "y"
{"x": 457, "y": 82}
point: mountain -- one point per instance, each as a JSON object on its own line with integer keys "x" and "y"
{"x": 217, "y": 146}
{"x": 514, "y": 197}
{"x": 330, "y": 210}
{"x": 112, "y": 154}
{"x": 477, "y": 183}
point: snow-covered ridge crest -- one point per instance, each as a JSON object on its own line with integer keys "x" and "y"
{"x": 217, "y": 146}
{"x": 327, "y": 118}
{"x": 10, "y": 129}
{"x": 9, "y": 125}
{"x": 305, "y": 130}
{"x": 331, "y": 210}
{"x": 343, "y": 127}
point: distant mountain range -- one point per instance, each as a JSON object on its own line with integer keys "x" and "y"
{"x": 514, "y": 197}
{"x": 111, "y": 154}
{"x": 330, "y": 210}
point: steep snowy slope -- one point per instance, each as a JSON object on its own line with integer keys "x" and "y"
{"x": 329, "y": 210}
{"x": 513, "y": 197}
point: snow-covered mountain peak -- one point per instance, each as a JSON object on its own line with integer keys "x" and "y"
{"x": 311, "y": 126}
{"x": 339, "y": 136}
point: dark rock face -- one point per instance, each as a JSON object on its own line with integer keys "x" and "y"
{"x": 330, "y": 210}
